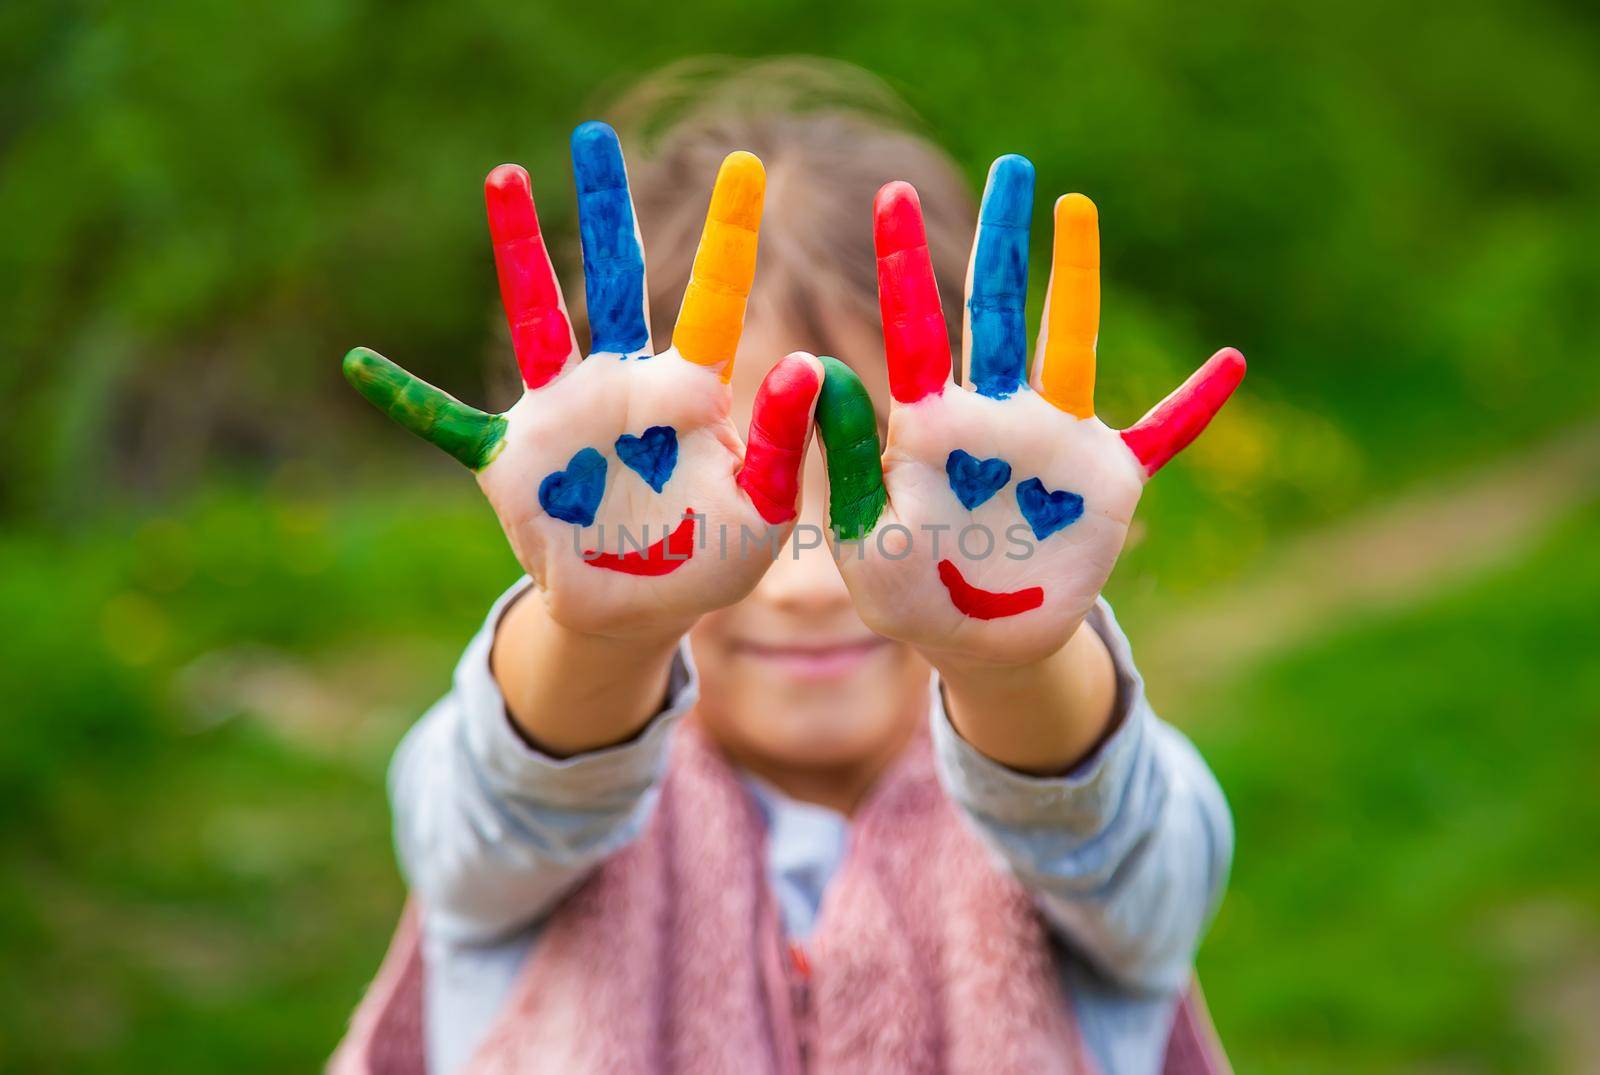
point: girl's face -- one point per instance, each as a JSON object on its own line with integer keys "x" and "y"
{"x": 792, "y": 681}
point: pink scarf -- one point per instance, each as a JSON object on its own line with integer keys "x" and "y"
{"x": 925, "y": 957}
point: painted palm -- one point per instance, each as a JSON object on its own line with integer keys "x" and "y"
{"x": 993, "y": 516}
{"x": 608, "y": 472}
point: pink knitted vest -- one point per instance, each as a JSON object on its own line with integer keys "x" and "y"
{"x": 925, "y": 956}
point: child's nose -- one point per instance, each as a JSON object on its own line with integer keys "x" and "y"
{"x": 804, "y": 579}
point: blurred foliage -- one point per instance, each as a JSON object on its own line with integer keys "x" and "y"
{"x": 1415, "y": 880}
{"x": 228, "y": 586}
{"x": 195, "y": 870}
{"x": 1391, "y": 212}
{"x": 195, "y": 873}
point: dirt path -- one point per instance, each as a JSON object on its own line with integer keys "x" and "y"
{"x": 1411, "y": 547}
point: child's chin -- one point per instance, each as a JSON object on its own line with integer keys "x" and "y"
{"x": 830, "y": 728}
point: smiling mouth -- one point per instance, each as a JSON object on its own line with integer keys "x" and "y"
{"x": 662, "y": 558}
{"x": 986, "y": 604}
{"x": 813, "y": 661}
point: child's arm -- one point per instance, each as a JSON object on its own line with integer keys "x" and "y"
{"x": 605, "y": 476}
{"x": 491, "y": 830}
{"x": 571, "y": 692}
{"x": 1043, "y": 716}
{"x": 1127, "y": 854}
{"x": 987, "y": 530}
{"x": 991, "y": 522}
{"x": 608, "y": 471}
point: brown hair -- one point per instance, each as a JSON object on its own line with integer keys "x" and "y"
{"x": 830, "y": 135}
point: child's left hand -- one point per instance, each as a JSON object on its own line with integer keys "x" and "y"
{"x": 628, "y": 441}
{"x": 1000, "y": 508}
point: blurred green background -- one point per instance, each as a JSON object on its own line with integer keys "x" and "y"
{"x": 1371, "y": 594}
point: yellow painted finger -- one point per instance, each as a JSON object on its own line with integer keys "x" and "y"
{"x": 1072, "y": 309}
{"x": 724, "y": 267}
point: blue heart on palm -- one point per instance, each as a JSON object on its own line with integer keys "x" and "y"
{"x": 573, "y": 495}
{"x": 652, "y": 456}
{"x": 975, "y": 480}
{"x": 1047, "y": 510}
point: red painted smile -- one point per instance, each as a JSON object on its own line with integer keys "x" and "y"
{"x": 986, "y": 604}
{"x": 662, "y": 558}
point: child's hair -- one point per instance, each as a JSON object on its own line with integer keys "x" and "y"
{"x": 830, "y": 135}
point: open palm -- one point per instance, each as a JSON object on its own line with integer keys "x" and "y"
{"x": 997, "y": 510}
{"x": 609, "y": 472}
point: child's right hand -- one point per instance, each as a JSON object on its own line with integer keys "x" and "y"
{"x": 627, "y": 438}
{"x": 1013, "y": 452}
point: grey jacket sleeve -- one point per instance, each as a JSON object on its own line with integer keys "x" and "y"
{"x": 491, "y": 833}
{"x": 1127, "y": 855}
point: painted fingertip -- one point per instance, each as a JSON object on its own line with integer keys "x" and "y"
{"x": 1008, "y": 193}
{"x": 897, "y": 214}
{"x": 466, "y": 433}
{"x": 844, "y": 406}
{"x": 508, "y": 179}
{"x": 1076, "y": 206}
{"x": 508, "y": 193}
{"x": 362, "y": 364}
{"x": 779, "y": 428}
{"x": 597, "y": 158}
{"x": 848, "y": 427}
{"x": 379, "y": 380}
{"x": 740, "y": 190}
{"x": 1174, "y": 423}
{"x": 834, "y": 370}
{"x": 1225, "y": 371}
{"x": 791, "y": 386}
{"x": 796, "y": 373}
{"x": 1219, "y": 375}
{"x": 1078, "y": 229}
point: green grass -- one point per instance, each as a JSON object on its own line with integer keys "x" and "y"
{"x": 197, "y": 876}
{"x": 1416, "y": 806}
{"x": 190, "y": 881}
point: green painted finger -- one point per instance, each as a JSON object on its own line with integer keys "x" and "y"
{"x": 848, "y": 425}
{"x": 437, "y": 417}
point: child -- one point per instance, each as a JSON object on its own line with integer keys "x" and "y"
{"x": 893, "y": 802}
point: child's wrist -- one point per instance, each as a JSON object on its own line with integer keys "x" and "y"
{"x": 1040, "y": 716}
{"x": 571, "y": 691}
{"x": 966, "y": 661}
{"x": 627, "y": 646}
{"x": 636, "y": 635}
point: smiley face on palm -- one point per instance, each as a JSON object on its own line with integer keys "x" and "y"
{"x": 608, "y": 472}
{"x": 992, "y": 519}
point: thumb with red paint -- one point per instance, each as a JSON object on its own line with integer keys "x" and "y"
{"x": 780, "y": 428}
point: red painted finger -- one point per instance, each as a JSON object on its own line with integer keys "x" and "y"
{"x": 1177, "y": 420}
{"x": 780, "y": 425}
{"x": 914, "y": 334}
{"x": 541, "y": 333}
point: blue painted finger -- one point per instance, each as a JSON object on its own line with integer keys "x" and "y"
{"x": 997, "y": 341}
{"x": 613, "y": 260}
